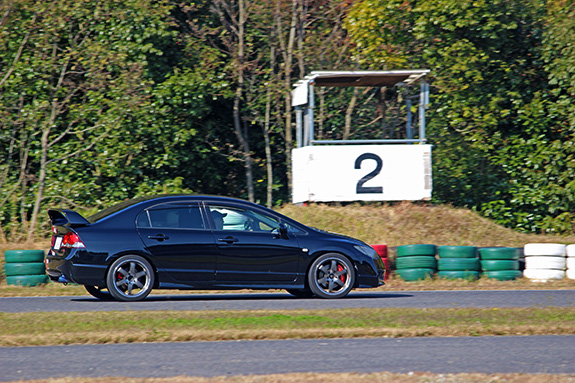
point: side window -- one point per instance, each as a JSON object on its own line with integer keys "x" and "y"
{"x": 174, "y": 217}
{"x": 233, "y": 218}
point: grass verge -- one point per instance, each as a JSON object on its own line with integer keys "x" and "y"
{"x": 379, "y": 377}
{"x": 34, "y": 329}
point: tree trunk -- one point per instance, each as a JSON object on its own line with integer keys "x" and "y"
{"x": 242, "y": 138}
{"x": 349, "y": 114}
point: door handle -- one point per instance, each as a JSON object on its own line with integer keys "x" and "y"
{"x": 159, "y": 237}
{"x": 228, "y": 240}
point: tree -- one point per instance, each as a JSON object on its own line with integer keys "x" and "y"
{"x": 69, "y": 80}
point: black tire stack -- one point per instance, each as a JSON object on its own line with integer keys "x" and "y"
{"x": 25, "y": 267}
{"x": 500, "y": 263}
{"x": 458, "y": 262}
{"x": 415, "y": 262}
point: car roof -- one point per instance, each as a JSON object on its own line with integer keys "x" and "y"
{"x": 124, "y": 205}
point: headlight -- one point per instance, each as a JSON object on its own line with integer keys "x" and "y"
{"x": 367, "y": 250}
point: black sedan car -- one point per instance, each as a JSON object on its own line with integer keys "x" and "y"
{"x": 202, "y": 242}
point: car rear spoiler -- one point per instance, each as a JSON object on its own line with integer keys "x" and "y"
{"x": 65, "y": 217}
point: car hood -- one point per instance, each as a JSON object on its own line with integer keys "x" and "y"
{"x": 338, "y": 236}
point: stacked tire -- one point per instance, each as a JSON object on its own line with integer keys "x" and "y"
{"x": 383, "y": 253}
{"x": 25, "y": 267}
{"x": 500, "y": 263}
{"x": 416, "y": 262}
{"x": 544, "y": 261}
{"x": 458, "y": 262}
{"x": 570, "y": 273}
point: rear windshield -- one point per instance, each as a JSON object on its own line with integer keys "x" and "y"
{"x": 116, "y": 208}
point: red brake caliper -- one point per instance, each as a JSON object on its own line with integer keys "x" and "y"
{"x": 341, "y": 277}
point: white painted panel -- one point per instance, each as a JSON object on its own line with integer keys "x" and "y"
{"x": 300, "y": 94}
{"x": 361, "y": 173}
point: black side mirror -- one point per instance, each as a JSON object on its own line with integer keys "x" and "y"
{"x": 281, "y": 231}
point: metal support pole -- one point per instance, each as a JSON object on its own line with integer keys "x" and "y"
{"x": 423, "y": 104}
{"x": 310, "y": 106}
{"x": 409, "y": 124}
{"x": 299, "y": 126}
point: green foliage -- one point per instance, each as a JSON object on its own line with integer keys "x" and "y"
{"x": 105, "y": 100}
{"x": 73, "y": 77}
{"x": 501, "y": 129}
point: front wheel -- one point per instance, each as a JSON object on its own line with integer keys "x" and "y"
{"x": 331, "y": 276}
{"x": 130, "y": 278}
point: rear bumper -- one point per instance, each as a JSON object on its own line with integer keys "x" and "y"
{"x": 69, "y": 268}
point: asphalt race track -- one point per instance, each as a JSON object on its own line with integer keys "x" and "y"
{"x": 284, "y": 301}
{"x": 505, "y": 354}
{"x": 527, "y": 354}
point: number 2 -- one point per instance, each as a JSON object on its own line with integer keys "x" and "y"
{"x": 360, "y": 189}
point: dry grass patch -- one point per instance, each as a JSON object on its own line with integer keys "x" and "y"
{"x": 411, "y": 223}
{"x": 379, "y": 377}
{"x": 33, "y": 329}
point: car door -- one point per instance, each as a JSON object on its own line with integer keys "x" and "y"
{"x": 178, "y": 237}
{"x": 251, "y": 248}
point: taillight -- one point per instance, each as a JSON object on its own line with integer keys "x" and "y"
{"x": 72, "y": 240}
{"x": 54, "y": 232}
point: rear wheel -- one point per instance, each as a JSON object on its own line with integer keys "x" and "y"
{"x": 99, "y": 292}
{"x": 130, "y": 278}
{"x": 331, "y": 276}
{"x": 300, "y": 293}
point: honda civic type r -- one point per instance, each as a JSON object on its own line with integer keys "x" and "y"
{"x": 191, "y": 242}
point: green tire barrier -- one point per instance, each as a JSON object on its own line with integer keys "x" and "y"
{"x": 499, "y": 265}
{"x": 416, "y": 262}
{"x": 471, "y": 275}
{"x": 411, "y": 275}
{"x": 492, "y": 253}
{"x": 23, "y": 256}
{"x": 27, "y": 280}
{"x": 457, "y": 251}
{"x": 503, "y": 275}
{"x": 411, "y": 250}
{"x": 458, "y": 264}
{"x": 13, "y": 269}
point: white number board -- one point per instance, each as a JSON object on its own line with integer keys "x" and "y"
{"x": 361, "y": 173}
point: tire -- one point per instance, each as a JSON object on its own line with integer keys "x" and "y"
{"x": 416, "y": 262}
{"x": 545, "y": 262}
{"x": 99, "y": 292}
{"x": 543, "y": 275}
{"x": 412, "y": 275}
{"x": 23, "y": 256}
{"x": 331, "y": 276}
{"x": 300, "y": 293}
{"x": 503, "y": 275}
{"x": 553, "y": 249}
{"x": 35, "y": 268}
{"x": 458, "y": 264}
{"x": 570, "y": 263}
{"x": 570, "y": 250}
{"x": 499, "y": 265}
{"x": 381, "y": 250}
{"x": 27, "y": 280}
{"x": 470, "y": 275}
{"x": 410, "y": 250}
{"x": 502, "y": 253}
{"x": 457, "y": 251}
{"x": 130, "y": 278}
{"x": 570, "y": 273}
